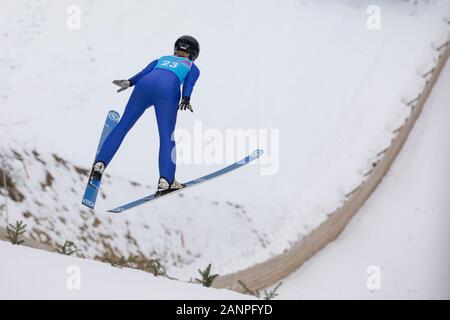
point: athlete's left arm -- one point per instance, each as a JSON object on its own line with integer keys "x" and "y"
{"x": 190, "y": 81}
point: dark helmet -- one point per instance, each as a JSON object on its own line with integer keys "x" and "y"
{"x": 188, "y": 44}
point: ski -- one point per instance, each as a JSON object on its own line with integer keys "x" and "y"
{"x": 93, "y": 185}
{"x": 253, "y": 156}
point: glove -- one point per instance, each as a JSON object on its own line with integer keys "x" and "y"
{"x": 185, "y": 104}
{"x": 123, "y": 84}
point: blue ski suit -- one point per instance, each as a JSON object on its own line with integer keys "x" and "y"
{"x": 157, "y": 85}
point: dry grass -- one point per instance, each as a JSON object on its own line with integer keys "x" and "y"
{"x": 13, "y": 191}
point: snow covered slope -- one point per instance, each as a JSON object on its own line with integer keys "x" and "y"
{"x": 310, "y": 69}
{"x": 404, "y": 228}
{"x": 65, "y": 277}
{"x": 45, "y": 192}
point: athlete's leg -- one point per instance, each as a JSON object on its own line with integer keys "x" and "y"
{"x": 138, "y": 102}
{"x": 166, "y": 116}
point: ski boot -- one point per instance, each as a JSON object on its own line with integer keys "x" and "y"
{"x": 93, "y": 185}
{"x": 97, "y": 171}
{"x": 165, "y": 187}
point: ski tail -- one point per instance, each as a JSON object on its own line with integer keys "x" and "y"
{"x": 93, "y": 185}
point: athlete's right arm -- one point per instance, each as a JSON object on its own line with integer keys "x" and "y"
{"x": 145, "y": 71}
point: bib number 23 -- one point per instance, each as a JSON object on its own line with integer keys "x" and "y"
{"x": 170, "y": 64}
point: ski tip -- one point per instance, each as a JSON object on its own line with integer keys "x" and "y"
{"x": 116, "y": 210}
{"x": 114, "y": 115}
{"x": 257, "y": 153}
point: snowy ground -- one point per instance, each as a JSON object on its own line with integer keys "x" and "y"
{"x": 310, "y": 69}
{"x": 404, "y": 228}
{"x": 35, "y": 274}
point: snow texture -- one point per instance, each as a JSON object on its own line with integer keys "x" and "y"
{"x": 404, "y": 228}
{"x": 63, "y": 277}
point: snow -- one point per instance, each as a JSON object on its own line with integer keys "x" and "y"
{"x": 404, "y": 228}
{"x": 309, "y": 70}
{"x": 66, "y": 277}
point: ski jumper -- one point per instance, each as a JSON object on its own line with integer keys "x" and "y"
{"x": 157, "y": 85}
